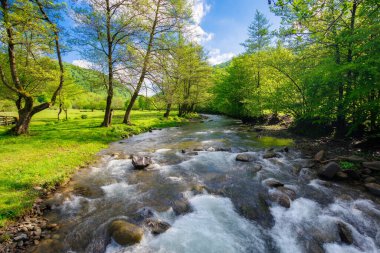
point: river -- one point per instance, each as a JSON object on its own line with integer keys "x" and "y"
{"x": 234, "y": 211}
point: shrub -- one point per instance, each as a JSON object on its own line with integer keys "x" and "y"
{"x": 84, "y": 116}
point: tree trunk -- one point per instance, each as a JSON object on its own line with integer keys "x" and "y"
{"x": 127, "y": 116}
{"x": 107, "y": 115}
{"x": 340, "y": 116}
{"x": 24, "y": 116}
{"x": 168, "y": 109}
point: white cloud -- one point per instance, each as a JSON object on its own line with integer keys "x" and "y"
{"x": 217, "y": 57}
{"x": 195, "y": 32}
{"x": 83, "y": 64}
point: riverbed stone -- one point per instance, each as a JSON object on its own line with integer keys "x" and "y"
{"x": 280, "y": 198}
{"x": 141, "y": 162}
{"x": 329, "y": 171}
{"x": 21, "y": 237}
{"x": 181, "y": 206}
{"x": 272, "y": 183}
{"x": 245, "y": 158}
{"x": 373, "y": 188}
{"x": 319, "y": 156}
{"x": 288, "y": 192}
{"x": 156, "y": 226}
{"x": 270, "y": 154}
{"x": 341, "y": 175}
{"x": 345, "y": 233}
{"x": 125, "y": 233}
{"x": 372, "y": 165}
{"x": 369, "y": 180}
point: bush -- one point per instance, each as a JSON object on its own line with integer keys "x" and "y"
{"x": 84, "y": 116}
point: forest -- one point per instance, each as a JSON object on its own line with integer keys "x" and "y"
{"x": 321, "y": 66}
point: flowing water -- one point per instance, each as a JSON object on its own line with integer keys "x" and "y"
{"x": 232, "y": 214}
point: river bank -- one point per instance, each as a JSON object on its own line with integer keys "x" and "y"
{"x": 33, "y": 166}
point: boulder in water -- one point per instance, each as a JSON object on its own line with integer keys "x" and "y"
{"x": 244, "y": 158}
{"x": 345, "y": 233}
{"x": 319, "y": 156}
{"x": 181, "y": 206}
{"x": 156, "y": 226}
{"x": 141, "y": 162}
{"x": 329, "y": 171}
{"x": 273, "y": 183}
{"x": 341, "y": 175}
{"x": 288, "y": 192}
{"x": 280, "y": 198}
{"x": 125, "y": 233}
{"x": 369, "y": 180}
{"x": 373, "y": 188}
{"x": 372, "y": 165}
{"x": 270, "y": 154}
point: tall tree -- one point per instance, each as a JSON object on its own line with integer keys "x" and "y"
{"x": 104, "y": 28}
{"x": 161, "y": 18}
{"x": 259, "y": 35}
{"x": 29, "y": 33}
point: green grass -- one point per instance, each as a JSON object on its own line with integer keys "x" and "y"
{"x": 54, "y": 150}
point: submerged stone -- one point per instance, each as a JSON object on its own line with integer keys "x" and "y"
{"x": 125, "y": 233}
{"x": 329, "y": 171}
{"x": 273, "y": 183}
{"x": 345, "y": 233}
{"x": 245, "y": 158}
{"x": 373, "y": 188}
{"x": 156, "y": 226}
{"x": 181, "y": 206}
{"x": 141, "y": 162}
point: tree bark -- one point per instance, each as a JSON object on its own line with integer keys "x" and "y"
{"x": 107, "y": 116}
{"x": 168, "y": 109}
{"x": 127, "y": 116}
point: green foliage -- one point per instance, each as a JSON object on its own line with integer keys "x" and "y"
{"x": 84, "y": 116}
{"x": 259, "y": 36}
{"x": 347, "y": 165}
{"x": 323, "y": 72}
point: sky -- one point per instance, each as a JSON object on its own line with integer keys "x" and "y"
{"x": 221, "y": 26}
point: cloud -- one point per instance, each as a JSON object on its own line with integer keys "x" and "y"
{"x": 83, "y": 64}
{"x": 195, "y": 32}
{"x": 217, "y": 57}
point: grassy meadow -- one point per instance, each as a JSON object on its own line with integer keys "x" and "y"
{"x": 54, "y": 150}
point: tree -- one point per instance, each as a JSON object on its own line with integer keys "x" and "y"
{"x": 160, "y": 19}
{"x": 259, "y": 36}
{"x": 104, "y": 30}
{"x": 25, "y": 71}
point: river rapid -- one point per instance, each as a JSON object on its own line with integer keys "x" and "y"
{"x": 232, "y": 207}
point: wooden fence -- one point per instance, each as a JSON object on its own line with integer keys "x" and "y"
{"x": 7, "y": 120}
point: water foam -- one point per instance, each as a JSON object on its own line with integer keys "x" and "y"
{"x": 213, "y": 226}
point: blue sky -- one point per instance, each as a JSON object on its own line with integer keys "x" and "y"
{"x": 221, "y": 24}
{"x": 228, "y": 21}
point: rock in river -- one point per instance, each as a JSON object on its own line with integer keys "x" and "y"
{"x": 373, "y": 188}
{"x": 141, "y": 162}
{"x": 273, "y": 183}
{"x": 125, "y": 233}
{"x": 156, "y": 226}
{"x": 319, "y": 156}
{"x": 329, "y": 171}
{"x": 372, "y": 165}
{"x": 181, "y": 206}
{"x": 270, "y": 154}
{"x": 345, "y": 233}
{"x": 280, "y": 198}
{"x": 244, "y": 158}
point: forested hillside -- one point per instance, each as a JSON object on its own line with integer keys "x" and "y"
{"x": 322, "y": 67}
